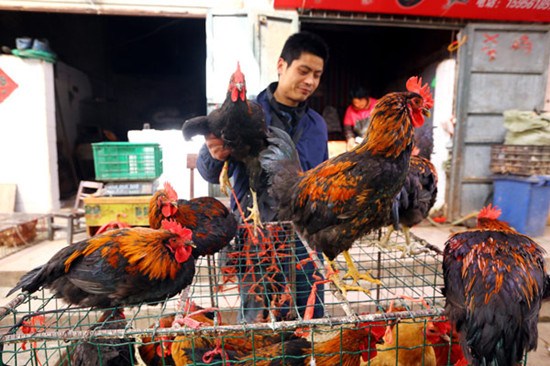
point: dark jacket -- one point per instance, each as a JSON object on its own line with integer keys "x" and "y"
{"x": 309, "y": 135}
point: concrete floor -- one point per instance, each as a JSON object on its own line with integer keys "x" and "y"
{"x": 15, "y": 265}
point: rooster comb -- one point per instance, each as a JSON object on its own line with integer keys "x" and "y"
{"x": 489, "y": 212}
{"x": 238, "y": 73}
{"x": 170, "y": 192}
{"x": 176, "y": 228}
{"x": 442, "y": 324}
{"x": 414, "y": 84}
{"x": 375, "y": 328}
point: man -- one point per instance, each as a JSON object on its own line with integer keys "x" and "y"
{"x": 300, "y": 67}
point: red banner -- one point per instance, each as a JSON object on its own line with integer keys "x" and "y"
{"x": 511, "y": 10}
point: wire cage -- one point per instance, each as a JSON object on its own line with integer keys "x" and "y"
{"x": 208, "y": 325}
{"x": 21, "y": 230}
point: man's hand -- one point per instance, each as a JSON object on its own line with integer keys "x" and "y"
{"x": 216, "y": 148}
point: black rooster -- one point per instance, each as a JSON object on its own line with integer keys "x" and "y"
{"x": 241, "y": 125}
{"x": 413, "y": 204}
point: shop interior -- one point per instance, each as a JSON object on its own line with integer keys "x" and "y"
{"x": 151, "y": 71}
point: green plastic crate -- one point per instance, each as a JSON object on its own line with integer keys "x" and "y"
{"x": 115, "y": 161}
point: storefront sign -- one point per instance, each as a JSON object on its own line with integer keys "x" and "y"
{"x": 511, "y": 10}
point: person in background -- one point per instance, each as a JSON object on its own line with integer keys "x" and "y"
{"x": 300, "y": 66}
{"x": 357, "y": 116}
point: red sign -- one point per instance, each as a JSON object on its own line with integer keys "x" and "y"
{"x": 511, "y": 10}
{"x": 7, "y": 85}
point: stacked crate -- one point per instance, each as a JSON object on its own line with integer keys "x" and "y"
{"x": 127, "y": 161}
{"x": 130, "y": 172}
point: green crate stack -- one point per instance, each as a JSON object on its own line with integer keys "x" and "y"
{"x": 127, "y": 161}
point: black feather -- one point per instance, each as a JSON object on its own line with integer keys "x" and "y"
{"x": 495, "y": 317}
{"x": 281, "y": 162}
{"x": 105, "y": 351}
{"x": 195, "y": 126}
{"x": 93, "y": 281}
{"x": 546, "y": 294}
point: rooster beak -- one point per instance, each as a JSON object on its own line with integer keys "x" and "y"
{"x": 239, "y": 86}
{"x": 445, "y": 337}
{"x": 426, "y": 112}
{"x": 191, "y": 244}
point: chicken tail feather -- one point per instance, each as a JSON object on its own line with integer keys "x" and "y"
{"x": 30, "y": 282}
{"x": 280, "y": 161}
{"x": 280, "y": 151}
{"x": 195, "y": 126}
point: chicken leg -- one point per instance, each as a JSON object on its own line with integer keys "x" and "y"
{"x": 411, "y": 248}
{"x": 384, "y": 241}
{"x": 254, "y": 212}
{"x": 407, "y": 249}
{"x": 355, "y": 275}
{"x": 224, "y": 179}
{"x": 332, "y": 274}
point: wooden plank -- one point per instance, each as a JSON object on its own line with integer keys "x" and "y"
{"x": 7, "y": 197}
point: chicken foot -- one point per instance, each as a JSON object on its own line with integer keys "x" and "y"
{"x": 354, "y": 274}
{"x": 384, "y": 242}
{"x": 332, "y": 275}
{"x": 407, "y": 249}
{"x": 224, "y": 179}
{"x": 254, "y": 212}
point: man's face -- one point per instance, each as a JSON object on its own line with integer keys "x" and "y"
{"x": 299, "y": 80}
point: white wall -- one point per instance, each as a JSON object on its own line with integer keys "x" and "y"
{"x": 28, "y": 153}
{"x": 174, "y": 156}
{"x": 442, "y": 114}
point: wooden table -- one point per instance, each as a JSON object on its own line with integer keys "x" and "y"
{"x": 133, "y": 210}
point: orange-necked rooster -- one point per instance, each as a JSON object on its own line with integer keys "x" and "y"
{"x": 241, "y": 125}
{"x": 212, "y": 224}
{"x": 119, "y": 267}
{"x": 350, "y": 195}
{"x": 495, "y": 281}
